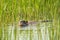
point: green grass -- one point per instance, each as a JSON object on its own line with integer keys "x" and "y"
{"x": 14, "y": 10}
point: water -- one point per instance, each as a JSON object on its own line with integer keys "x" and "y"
{"x": 26, "y": 32}
{"x": 44, "y": 31}
{"x": 2, "y": 34}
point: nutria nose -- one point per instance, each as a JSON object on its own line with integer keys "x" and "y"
{"x": 23, "y": 23}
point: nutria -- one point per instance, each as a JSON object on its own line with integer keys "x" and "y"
{"x": 23, "y": 23}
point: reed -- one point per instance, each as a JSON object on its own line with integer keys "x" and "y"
{"x": 14, "y": 10}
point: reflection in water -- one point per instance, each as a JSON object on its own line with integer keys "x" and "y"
{"x": 25, "y": 32}
{"x": 45, "y": 33}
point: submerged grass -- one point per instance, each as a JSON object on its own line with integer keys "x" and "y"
{"x": 14, "y": 10}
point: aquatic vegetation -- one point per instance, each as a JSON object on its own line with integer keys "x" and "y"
{"x": 11, "y": 11}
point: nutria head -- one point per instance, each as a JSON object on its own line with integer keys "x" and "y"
{"x": 23, "y": 23}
